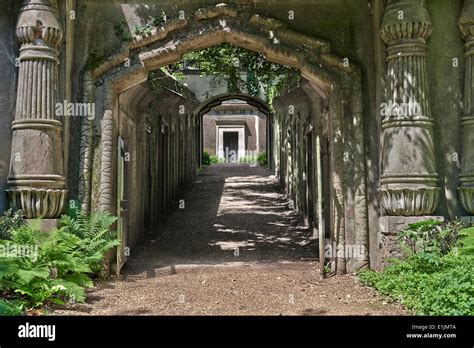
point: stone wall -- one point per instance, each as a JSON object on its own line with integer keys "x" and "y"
{"x": 294, "y": 114}
{"x": 8, "y": 82}
{"x": 445, "y": 64}
{"x": 253, "y": 136}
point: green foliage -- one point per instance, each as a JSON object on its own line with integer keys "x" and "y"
{"x": 437, "y": 276}
{"x": 248, "y": 159}
{"x": 213, "y": 159}
{"x": 431, "y": 236}
{"x": 467, "y": 239}
{"x": 122, "y": 32}
{"x": 206, "y": 158}
{"x": 229, "y": 61}
{"x": 73, "y": 209}
{"x": 10, "y": 221}
{"x": 262, "y": 159}
{"x": 48, "y": 272}
{"x": 252, "y": 83}
{"x": 152, "y": 23}
{"x": 94, "y": 60}
{"x": 94, "y": 235}
{"x": 54, "y": 266}
{"x": 11, "y": 308}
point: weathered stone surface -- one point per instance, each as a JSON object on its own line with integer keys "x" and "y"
{"x": 36, "y": 181}
{"x": 467, "y": 220}
{"x": 8, "y": 76}
{"x": 466, "y": 178}
{"x": 395, "y": 224}
{"x": 409, "y": 182}
{"x": 37, "y": 202}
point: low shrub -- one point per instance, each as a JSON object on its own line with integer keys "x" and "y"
{"x": 248, "y": 159}
{"x": 431, "y": 236}
{"x": 262, "y": 159}
{"x": 206, "y": 159}
{"x": 437, "y": 275}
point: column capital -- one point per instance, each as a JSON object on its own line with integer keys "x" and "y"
{"x": 405, "y": 20}
{"x": 38, "y": 21}
{"x": 466, "y": 21}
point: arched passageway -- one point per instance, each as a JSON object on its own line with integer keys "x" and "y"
{"x": 326, "y": 109}
{"x": 253, "y": 101}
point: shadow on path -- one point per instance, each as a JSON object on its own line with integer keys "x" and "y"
{"x": 233, "y": 213}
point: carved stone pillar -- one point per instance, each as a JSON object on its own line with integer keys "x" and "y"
{"x": 409, "y": 182}
{"x": 466, "y": 189}
{"x": 36, "y": 181}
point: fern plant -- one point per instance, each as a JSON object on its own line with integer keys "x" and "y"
{"x": 94, "y": 234}
{"x": 54, "y": 266}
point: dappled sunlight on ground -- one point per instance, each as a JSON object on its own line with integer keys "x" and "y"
{"x": 235, "y": 249}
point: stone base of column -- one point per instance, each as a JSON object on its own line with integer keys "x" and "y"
{"x": 389, "y": 229}
{"x": 467, "y": 220}
{"x": 45, "y": 224}
{"x": 38, "y": 202}
{"x": 466, "y": 194}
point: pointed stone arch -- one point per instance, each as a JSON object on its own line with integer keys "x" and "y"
{"x": 254, "y": 101}
{"x": 207, "y": 105}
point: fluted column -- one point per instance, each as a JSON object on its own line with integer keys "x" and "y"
{"x": 466, "y": 189}
{"x": 36, "y": 181}
{"x": 409, "y": 182}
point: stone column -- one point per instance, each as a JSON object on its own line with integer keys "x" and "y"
{"x": 466, "y": 189}
{"x": 409, "y": 182}
{"x": 36, "y": 181}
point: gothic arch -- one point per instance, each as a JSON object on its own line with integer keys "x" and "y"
{"x": 257, "y": 102}
{"x": 207, "y": 105}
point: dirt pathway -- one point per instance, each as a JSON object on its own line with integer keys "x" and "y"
{"x": 236, "y": 249}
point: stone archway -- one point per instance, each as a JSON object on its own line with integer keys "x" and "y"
{"x": 254, "y": 101}
{"x": 339, "y": 83}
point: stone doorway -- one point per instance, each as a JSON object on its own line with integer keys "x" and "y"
{"x": 231, "y": 146}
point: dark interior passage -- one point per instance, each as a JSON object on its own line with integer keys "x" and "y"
{"x": 231, "y": 146}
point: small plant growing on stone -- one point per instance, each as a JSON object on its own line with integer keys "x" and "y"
{"x": 262, "y": 159}
{"x": 431, "y": 236}
{"x": 206, "y": 158}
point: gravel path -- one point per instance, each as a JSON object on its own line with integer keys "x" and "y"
{"x": 236, "y": 249}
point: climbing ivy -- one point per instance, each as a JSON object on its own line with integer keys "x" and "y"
{"x": 122, "y": 32}
{"x": 231, "y": 62}
{"x": 153, "y": 22}
{"x": 94, "y": 60}
{"x": 252, "y": 83}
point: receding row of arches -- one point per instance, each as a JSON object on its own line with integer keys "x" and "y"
{"x": 315, "y": 132}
